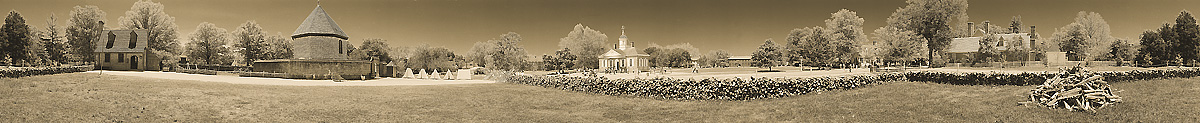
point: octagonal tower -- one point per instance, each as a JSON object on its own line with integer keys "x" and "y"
{"x": 319, "y": 37}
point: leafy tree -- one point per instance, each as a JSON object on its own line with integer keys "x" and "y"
{"x": 931, "y": 19}
{"x": 1016, "y": 48}
{"x": 1171, "y": 43}
{"x": 1015, "y": 26}
{"x": 151, "y": 16}
{"x": 500, "y": 54}
{"x": 507, "y": 55}
{"x": 278, "y": 47}
{"x": 1153, "y": 48}
{"x": 797, "y": 47}
{"x": 479, "y": 53}
{"x": 17, "y": 40}
{"x": 432, "y": 58}
{"x": 695, "y": 52}
{"x": 654, "y": 52}
{"x": 83, "y": 29}
{"x": 768, "y": 55}
{"x": 588, "y": 44}
{"x": 208, "y": 44}
{"x": 1086, "y": 38}
{"x": 1074, "y": 43}
{"x": 1120, "y": 51}
{"x": 373, "y": 49}
{"x": 812, "y": 47}
{"x": 716, "y": 58}
{"x": 561, "y": 60}
{"x": 987, "y": 49}
{"x": 846, "y": 33}
{"x": 899, "y": 45}
{"x": 250, "y": 39}
{"x": 675, "y": 55}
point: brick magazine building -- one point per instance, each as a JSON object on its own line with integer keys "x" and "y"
{"x": 320, "y": 49}
{"x": 125, "y": 50}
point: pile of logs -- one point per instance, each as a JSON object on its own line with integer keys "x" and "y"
{"x": 1074, "y": 89}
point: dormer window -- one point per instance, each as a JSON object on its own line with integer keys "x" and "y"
{"x": 132, "y": 39}
{"x": 112, "y": 38}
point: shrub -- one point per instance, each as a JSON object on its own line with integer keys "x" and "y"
{"x": 1038, "y": 78}
{"x": 690, "y": 89}
{"x": 18, "y": 72}
{"x": 762, "y": 88}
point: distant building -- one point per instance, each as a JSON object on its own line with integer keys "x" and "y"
{"x": 125, "y": 50}
{"x": 962, "y": 50}
{"x": 624, "y": 57}
{"x": 740, "y": 61}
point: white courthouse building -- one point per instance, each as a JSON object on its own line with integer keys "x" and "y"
{"x": 624, "y": 57}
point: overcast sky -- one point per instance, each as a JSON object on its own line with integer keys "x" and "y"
{"x": 738, "y": 26}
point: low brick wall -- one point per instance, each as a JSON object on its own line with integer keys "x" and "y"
{"x": 313, "y": 67}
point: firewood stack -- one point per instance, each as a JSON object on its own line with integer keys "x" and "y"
{"x": 1074, "y": 89}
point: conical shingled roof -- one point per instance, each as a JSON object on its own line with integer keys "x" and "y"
{"x": 319, "y": 23}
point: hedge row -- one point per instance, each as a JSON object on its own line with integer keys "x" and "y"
{"x": 1039, "y": 78}
{"x": 760, "y": 88}
{"x": 704, "y": 89}
{"x": 32, "y": 71}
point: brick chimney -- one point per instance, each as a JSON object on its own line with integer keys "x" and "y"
{"x": 970, "y": 29}
{"x": 987, "y": 27}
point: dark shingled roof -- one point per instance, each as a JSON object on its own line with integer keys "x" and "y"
{"x": 319, "y": 23}
{"x": 120, "y": 41}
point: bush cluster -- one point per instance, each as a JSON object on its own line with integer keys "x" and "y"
{"x": 18, "y": 72}
{"x": 1038, "y": 78}
{"x": 704, "y": 89}
{"x": 761, "y": 88}
{"x": 1135, "y": 75}
{"x": 978, "y": 78}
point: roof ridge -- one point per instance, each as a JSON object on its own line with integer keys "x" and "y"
{"x": 319, "y": 23}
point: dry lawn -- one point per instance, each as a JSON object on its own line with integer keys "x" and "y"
{"x": 84, "y": 97}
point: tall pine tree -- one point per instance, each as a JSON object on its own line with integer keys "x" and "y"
{"x": 16, "y": 39}
{"x": 1186, "y": 32}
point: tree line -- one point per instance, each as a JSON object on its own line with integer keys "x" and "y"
{"x": 25, "y": 45}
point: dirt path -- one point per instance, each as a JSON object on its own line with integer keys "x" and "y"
{"x": 292, "y": 82}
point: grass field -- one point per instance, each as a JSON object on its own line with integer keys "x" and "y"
{"x": 86, "y": 97}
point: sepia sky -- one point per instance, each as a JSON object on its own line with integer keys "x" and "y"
{"x": 738, "y": 26}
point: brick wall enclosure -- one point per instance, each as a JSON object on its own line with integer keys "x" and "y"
{"x": 317, "y": 67}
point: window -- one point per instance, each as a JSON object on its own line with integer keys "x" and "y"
{"x": 112, "y": 38}
{"x": 340, "y": 46}
{"x": 120, "y": 57}
{"x": 132, "y": 39}
{"x": 107, "y": 57}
